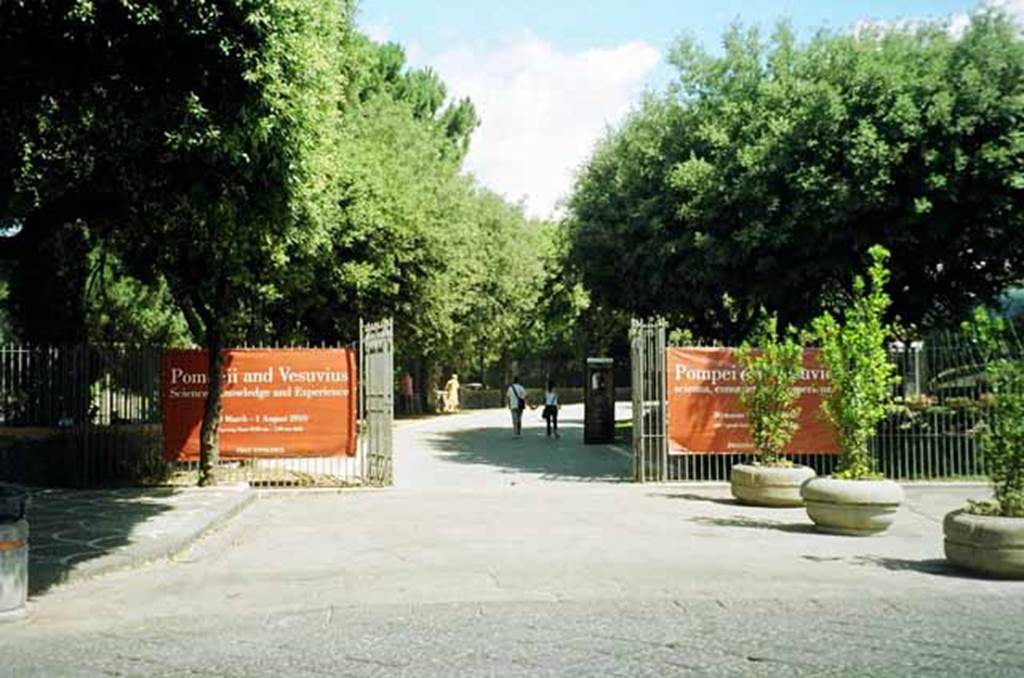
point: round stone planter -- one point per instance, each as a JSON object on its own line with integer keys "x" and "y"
{"x": 769, "y": 485}
{"x": 988, "y": 545}
{"x": 851, "y": 507}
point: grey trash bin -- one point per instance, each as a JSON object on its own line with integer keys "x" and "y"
{"x": 13, "y": 552}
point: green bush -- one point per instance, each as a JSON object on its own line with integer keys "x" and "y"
{"x": 769, "y": 395}
{"x": 861, "y": 375}
{"x": 1003, "y": 435}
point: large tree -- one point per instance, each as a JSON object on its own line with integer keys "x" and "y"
{"x": 763, "y": 176}
{"x": 459, "y": 268}
{"x": 197, "y": 141}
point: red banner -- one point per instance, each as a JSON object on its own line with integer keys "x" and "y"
{"x": 704, "y": 411}
{"x": 277, "y": 403}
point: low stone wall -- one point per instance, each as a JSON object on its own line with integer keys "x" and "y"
{"x": 488, "y": 398}
{"x": 70, "y": 457}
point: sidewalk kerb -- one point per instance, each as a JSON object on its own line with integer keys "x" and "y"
{"x": 161, "y": 549}
{"x": 275, "y": 492}
{"x": 246, "y": 497}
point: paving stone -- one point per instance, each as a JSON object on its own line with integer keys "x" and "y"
{"x": 77, "y": 534}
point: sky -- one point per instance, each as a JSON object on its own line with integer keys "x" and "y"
{"x": 550, "y": 77}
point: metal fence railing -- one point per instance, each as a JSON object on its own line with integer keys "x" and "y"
{"x": 91, "y": 415}
{"x": 78, "y": 415}
{"x": 932, "y": 432}
{"x": 940, "y": 410}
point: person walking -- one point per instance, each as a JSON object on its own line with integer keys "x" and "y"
{"x": 451, "y": 394}
{"x": 407, "y": 393}
{"x": 516, "y": 404}
{"x": 551, "y": 406}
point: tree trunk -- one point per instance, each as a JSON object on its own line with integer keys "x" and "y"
{"x": 431, "y": 376}
{"x": 506, "y": 370}
{"x": 419, "y": 375}
{"x": 209, "y": 432}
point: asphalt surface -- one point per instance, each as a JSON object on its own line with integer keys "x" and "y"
{"x": 505, "y": 556}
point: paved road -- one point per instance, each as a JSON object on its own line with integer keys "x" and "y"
{"x": 478, "y": 451}
{"x": 502, "y": 556}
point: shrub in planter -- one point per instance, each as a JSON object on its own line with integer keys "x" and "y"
{"x": 988, "y": 537}
{"x": 856, "y": 499}
{"x": 769, "y": 397}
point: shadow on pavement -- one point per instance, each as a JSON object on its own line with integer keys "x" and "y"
{"x": 936, "y": 566}
{"x": 755, "y": 523}
{"x": 939, "y": 567}
{"x": 566, "y": 458}
{"x": 70, "y": 527}
{"x": 725, "y": 501}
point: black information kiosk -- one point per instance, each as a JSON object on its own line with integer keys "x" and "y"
{"x": 599, "y": 408}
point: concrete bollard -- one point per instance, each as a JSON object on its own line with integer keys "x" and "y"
{"x": 13, "y": 552}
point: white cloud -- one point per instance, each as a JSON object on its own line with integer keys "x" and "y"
{"x": 1015, "y": 7}
{"x": 413, "y": 52}
{"x": 378, "y": 31}
{"x": 542, "y": 110}
{"x": 958, "y": 24}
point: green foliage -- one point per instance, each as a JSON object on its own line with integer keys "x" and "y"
{"x": 680, "y": 336}
{"x": 556, "y": 327}
{"x": 769, "y": 396}
{"x": 470, "y": 282}
{"x": 458, "y": 268}
{"x": 987, "y": 508}
{"x": 273, "y": 177}
{"x": 208, "y": 167}
{"x": 51, "y": 274}
{"x": 381, "y": 72}
{"x": 1003, "y": 437}
{"x": 121, "y": 309}
{"x": 500, "y": 320}
{"x": 860, "y": 373}
{"x": 767, "y": 171}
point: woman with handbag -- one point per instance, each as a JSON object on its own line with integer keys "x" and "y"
{"x": 551, "y": 408}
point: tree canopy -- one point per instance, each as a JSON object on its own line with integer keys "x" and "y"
{"x": 272, "y": 177}
{"x": 762, "y": 176}
{"x": 209, "y": 169}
